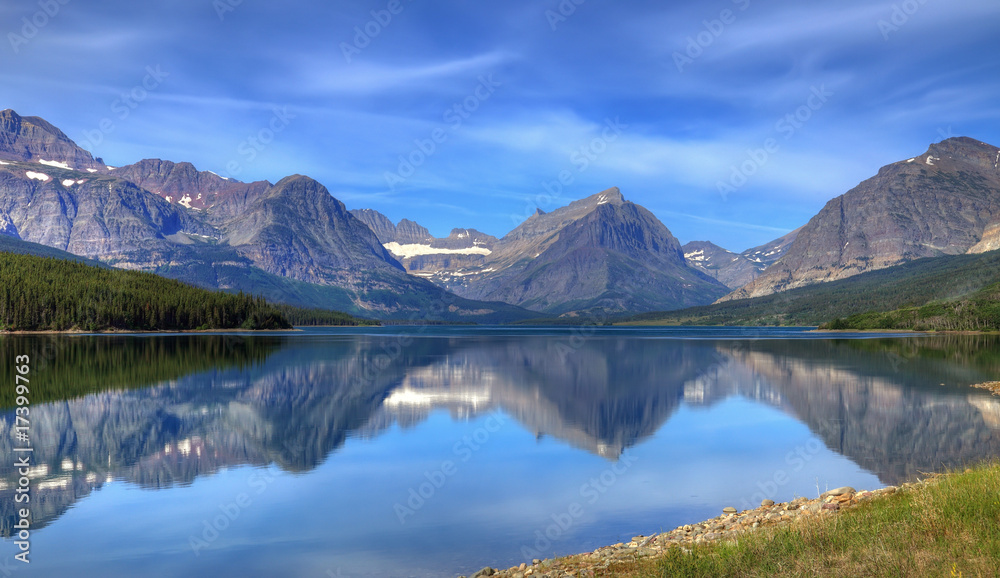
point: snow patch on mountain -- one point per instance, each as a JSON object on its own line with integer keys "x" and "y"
{"x": 414, "y": 250}
{"x": 56, "y": 164}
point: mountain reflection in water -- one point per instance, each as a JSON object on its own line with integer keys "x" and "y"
{"x": 161, "y": 411}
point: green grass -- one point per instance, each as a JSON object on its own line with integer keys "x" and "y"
{"x": 950, "y": 527}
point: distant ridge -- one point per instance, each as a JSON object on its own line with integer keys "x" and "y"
{"x": 942, "y": 202}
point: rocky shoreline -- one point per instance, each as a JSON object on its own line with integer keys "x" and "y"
{"x": 993, "y": 386}
{"x": 731, "y": 524}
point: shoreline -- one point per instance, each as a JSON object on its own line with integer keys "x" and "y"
{"x": 993, "y": 386}
{"x": 732, "y": 524}
{"x": 147, "y": 332}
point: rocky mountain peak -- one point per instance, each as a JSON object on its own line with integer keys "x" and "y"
{"x": 938, "y": 203}
{"x": 378, "y": 223}
{"x": 465, "y": 238}
{"x": 412, "y": 233}
{"x": 32, "y": 139}
{"x": 964, "y": 150}
{"x": 183, "y": 184}
{"x": 612, "y": 196}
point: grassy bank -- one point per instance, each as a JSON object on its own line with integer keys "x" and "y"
{"x": 950, "y": 527}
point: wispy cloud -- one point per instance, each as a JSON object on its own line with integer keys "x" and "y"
{"x": 324, "y": 77}
{"x": 609, "y": 60}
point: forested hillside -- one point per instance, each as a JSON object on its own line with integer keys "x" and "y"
{"x": 977, "y": 312}
{"x": 914, "y": 284}
{"x": 299, "y": 316}
{"x": 43, "y": 294}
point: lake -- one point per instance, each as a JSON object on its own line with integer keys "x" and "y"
{"x": 436, "y": 451}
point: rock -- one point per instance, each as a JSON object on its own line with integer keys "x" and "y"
{"x": 522, "y": 567}
{"x": 767, "y": 503}
{"x": 536, "y": 561}
{"x": 729, "y": 510}
{"x": 487, "y": 571}
{"x": 839, "y": 492}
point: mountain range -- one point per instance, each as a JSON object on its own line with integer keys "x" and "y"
{"x": 735, "y": 270}
{"x": 599, "y": 254}
{"x": 293, "y": 242}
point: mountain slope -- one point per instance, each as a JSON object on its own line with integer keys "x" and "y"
{"x": 979, "y": 311}
{"x": 940, "y": 203}
{"x": 91, "y": 215}
{"x": 16, "y": 246}
{"x": 735, "y": 270}
{"x": 599, "y": 253}
{"x": 297, "y": 229}
{"x": 769, "y": 253}
{"x": 405, "y": 233}
{"x": 911, "y": 284}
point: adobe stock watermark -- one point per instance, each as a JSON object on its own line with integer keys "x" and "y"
{"x": 901, "y": 14}
{"x": 257, "y": 483}
{"x": 251, "y": 147}
{"x": 713, "y": 29}
{"x": 454, "y": 118}
{"x": 796, "y": 460}
{"x": 590, "y": 492}
{"x": 580, "y": 334}
{"x": 786, "y": 126}
{"x": 581, "y": 160}
{"x": 364, "y": 35}
{"x": 463, "y": 451}
{"x": 123, "y": 106}
{"x": 946, "y": 133}
{"x": 8, "y": 567}
{"x": 32, "y": 25}
{"x": 223, "y": 7}
{"x": 562, "y": 13}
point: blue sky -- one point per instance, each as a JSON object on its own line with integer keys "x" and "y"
{"x": 662, "y": 99}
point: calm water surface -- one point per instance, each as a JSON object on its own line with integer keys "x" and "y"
{"x": 434, "y": 452}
